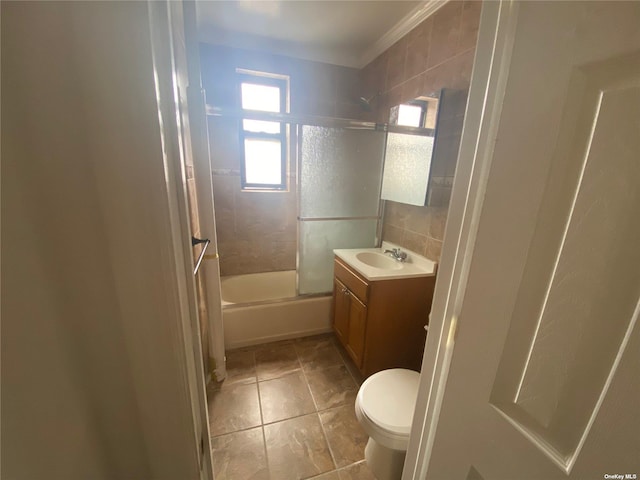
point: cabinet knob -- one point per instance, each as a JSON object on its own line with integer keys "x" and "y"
{"x": 345, "y": 291}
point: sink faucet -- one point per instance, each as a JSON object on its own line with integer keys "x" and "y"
{"x": 398, "y": 254}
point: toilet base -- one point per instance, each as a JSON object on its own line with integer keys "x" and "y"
{"x": 385, "y": 463}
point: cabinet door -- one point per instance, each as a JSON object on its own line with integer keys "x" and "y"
{"x": 357, "y": 327}
{"x": 341, "y": 311}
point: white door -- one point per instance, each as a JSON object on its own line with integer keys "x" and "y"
{"x": 544, "y": 374}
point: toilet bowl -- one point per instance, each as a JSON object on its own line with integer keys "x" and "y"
{"x": 384, "y": 407}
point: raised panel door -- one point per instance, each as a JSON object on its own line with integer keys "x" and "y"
{"x": 543, "y": 376}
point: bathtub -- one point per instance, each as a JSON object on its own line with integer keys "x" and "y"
{"x": 263, "y": 307}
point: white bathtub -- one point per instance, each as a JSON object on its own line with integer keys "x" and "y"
{"x": 263, "y": 307}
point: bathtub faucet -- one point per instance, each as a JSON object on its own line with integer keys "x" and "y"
{"x": 398, "y": 254}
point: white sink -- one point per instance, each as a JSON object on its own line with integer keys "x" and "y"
{"x": 378, "y": 260}
{"x": 373, "y": 264}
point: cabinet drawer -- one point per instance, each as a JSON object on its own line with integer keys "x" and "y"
{"x": 351, "y": 280}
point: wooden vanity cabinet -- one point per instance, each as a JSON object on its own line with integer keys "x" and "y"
{"x": 381, "y": 323}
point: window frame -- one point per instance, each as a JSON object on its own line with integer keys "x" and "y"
{"x": 282, "y": 83}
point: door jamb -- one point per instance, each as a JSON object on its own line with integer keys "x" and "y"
{"x": 488, "y": 83}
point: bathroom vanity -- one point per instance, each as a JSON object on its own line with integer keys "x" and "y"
{"x": 381, "y": 306}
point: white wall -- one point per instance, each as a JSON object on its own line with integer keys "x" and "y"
{"x": 92, "y": 381}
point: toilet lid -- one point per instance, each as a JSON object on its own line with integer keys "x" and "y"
{"x": 388, "y": 398}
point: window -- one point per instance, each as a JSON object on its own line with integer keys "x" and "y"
{"x": 263, "y": 144}
{"x": 412, "y": 114}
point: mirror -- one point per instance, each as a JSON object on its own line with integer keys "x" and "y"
{"x": 420, "y": 164}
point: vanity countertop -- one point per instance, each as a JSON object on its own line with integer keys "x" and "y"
{"x": 414, "y": 266}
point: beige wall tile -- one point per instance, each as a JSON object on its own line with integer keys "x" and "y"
{"x": 469, "y": 24}
{"x": 372, "y": 78}
{"x": 445, "y": 33}
{"x": 257, "y": 231}
{"x": 413, "y": 88}
{"x": 223, "y": 198}
{"x": 437, "y": 223}
{"x": 350, "y": 110}
{"x": 418, "y": 48}
{"x": 393, "y": 234}
{"x": 193, "y": 207}
{"x": 223, "y": 143}
{"x": 444, "y": 45}
{"x": 417, "y": 219}
{"x": 415, "y": 242}
{"x": 313, "y": 106}
{"x": 396, "y": 63}
{"x": 433, "y": 250}
{"x": 395, "y": 214}
{"x": 454, "y": 72}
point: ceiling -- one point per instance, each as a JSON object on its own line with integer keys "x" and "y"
{"x": 341, "y": 32}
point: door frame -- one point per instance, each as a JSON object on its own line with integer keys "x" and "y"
{"x": 187, "y": 343}
{"x": 488, "y": 81}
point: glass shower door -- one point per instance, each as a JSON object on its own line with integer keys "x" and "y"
{"x": 339, "y": 179}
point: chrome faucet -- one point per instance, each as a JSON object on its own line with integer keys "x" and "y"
{"x": 398, "y": 254}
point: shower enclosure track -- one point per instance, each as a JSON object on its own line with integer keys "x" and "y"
{"x": 315, "y": 120}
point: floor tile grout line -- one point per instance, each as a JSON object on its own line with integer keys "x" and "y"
{"x": 233, "y": 385}
{"x": 266, "y": 453}
{"x": 290, "y": 418}
{"x": 324, "y": 432}
{"x": 262, "y": 425}
{"x": 354, "y": 388}
{"x": 284, "y": 374}
{"x": 337, "y": 470}
{"x": 344, "y": 361}
{"x": 260, "y": 403}
{"x": 326, "y": 439}
{"x": 305, "y": 375}
{"x": 235, "y": 431}
{"x": 264, "y": 436}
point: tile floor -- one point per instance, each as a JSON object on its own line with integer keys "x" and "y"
{"x": 285, "y": 412}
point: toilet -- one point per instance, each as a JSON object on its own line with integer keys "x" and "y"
{"x": 384, "y": 407}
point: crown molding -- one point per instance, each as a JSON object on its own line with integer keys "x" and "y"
{"x": 400, "y": 29}
{"x": 337, "y": 56}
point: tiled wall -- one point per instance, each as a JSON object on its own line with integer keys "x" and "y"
{"x": 257, "y": 230}
{"x": 201, "y": 286}
{"x": 437, "y": 54}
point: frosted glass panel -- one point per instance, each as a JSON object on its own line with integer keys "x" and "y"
{"x": 317, "y": 241}
{"x": 340, "y": 172}
{"x": 406, "y": 168}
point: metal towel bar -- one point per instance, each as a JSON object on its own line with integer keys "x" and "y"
{"x": 196, "y": 241}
